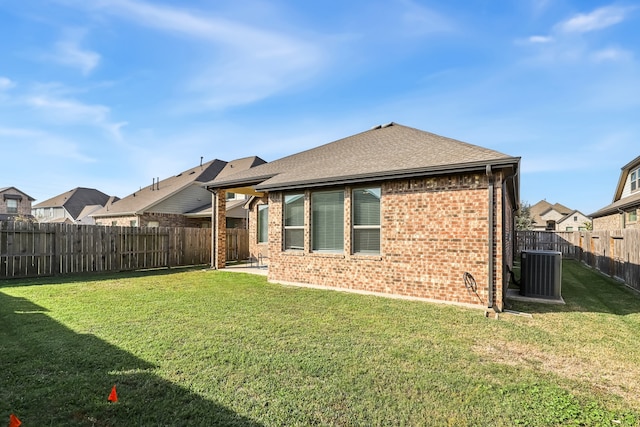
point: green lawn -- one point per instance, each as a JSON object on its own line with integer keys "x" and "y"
{"x": 204, "y": 348}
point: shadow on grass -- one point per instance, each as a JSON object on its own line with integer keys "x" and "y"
{"x": 52, "y": 375}
{"x": 587, "y": 290}
{"x": 96, "y": 277}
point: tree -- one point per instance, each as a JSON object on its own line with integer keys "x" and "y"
{"x": 523, "y": 217}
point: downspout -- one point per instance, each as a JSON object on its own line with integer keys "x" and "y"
{"x": 491, "y": 266}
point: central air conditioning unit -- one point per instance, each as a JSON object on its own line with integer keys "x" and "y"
{"x": 541, "y": 274}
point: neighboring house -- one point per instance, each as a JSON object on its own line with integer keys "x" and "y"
{"x": 178, "y": 201}
{"x": 72, "y": 207}
{"x": 393, "y": 210}
{"x": 573, "y": 221}
{"x": 14, "y": 204}
{"x": 623, "y": 211}
{"x": 557, "y": 217}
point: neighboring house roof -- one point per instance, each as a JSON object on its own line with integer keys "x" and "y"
{"x": 570, "y": 215}
{"x": 74, "y": 201}
{"x": 620, "y": 203}
{"x": 542, "y": 208}
{"x": 5, "y": 189}
{"x": 384, "y": 152}
{"x": 147, "y": 197}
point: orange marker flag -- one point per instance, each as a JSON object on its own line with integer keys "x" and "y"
{"x": 14, "y": 421}
{"x": 113, "y": 396}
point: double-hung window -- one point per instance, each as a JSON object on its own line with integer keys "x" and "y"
{"x": 263, "y": 223}
{"x": 633, "y": 215}
{"x": 327, "y": 221}
{"x": 635, "y": 180}
{"x": 366, "y": 220}
{"x": 294, "y": 222}
{"x": 12, "y": 206}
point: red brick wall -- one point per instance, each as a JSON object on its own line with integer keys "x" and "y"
{"x": 433, "y": 230}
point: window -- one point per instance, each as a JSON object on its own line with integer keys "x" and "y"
{"x": 133, "y": 223}
{"x": 230, "y": 195}
{"x": 635, "y": 180}
{"x": 153, "y": 224}
{"x": 12, "y": 206}
{"x": 575, "y": 219}
{"x": 294, "y": 222}
{"x": 569, "y": 229}
{"x": 327, "y": 221}
{"x": 633, "y": 215}
{"x": 366, "y": 220}
{"x": 263, "y": 223}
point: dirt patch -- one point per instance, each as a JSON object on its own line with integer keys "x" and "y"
{"x": 605, "y": 375}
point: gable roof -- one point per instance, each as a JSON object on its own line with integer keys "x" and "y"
{"x": 384, "y": 152}
{"x": 149, "y": 196}
{"x": 74, "y": 201}
{"x": 619, "y": 202}
{"x": 569, "y": 216}
{"x": 4, "y": 189}
{"x": 543, "y": 207}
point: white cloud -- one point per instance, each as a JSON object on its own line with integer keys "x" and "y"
{"x": 6, "y": 83}
{"x": 72, "y": 111}
{"x": 243, "y": 64}
{"x": 68, "y": 52}
{"x": 611, "y": 54}
{"x": 540, "y": 39}
{"x": 419, "y": 20}
{"x": 44, "y": 144}
{"x": 596, "y": 20}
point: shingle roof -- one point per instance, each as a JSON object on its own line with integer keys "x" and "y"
{"x": 74, "y": 201}
{"x": 385, "y": 151}
{"x": 622, "y": 204}
{"x": 3, "y": 189}
{"x": 150, "y": 195}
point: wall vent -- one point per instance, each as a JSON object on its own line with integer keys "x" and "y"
{"x": 541, "y": 274}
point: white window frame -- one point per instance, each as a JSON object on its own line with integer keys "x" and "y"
{"x": 338, "y": 227}
{"x": 291, "y": 228}
{"x": 634, "y": 178}
{"x": 263, "y": 210}
{"x": 12, "y": 206}
{"x": 355, "y": 227}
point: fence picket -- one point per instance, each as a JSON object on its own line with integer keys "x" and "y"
{"x": 615, "y": 253}
{"x": 29, "y": 250}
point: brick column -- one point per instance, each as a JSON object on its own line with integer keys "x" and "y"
{"x": 219, "y": 225}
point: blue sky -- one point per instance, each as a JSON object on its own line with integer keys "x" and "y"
{"x": 110, "y": 94}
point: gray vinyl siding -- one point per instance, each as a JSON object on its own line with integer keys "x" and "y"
{"x": 186, "y": 200}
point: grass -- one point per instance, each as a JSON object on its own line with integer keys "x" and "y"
{"x": 204, "y": 348}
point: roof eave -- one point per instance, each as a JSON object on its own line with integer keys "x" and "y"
{"x": 392, "y": 175}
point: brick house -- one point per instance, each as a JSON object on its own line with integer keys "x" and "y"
{"x": 622, "y": 213}
{"x": 557, "y": 217}
{"x": 14, "y": 203}
{"x": 393, "y": 210}
{"x": 72, "y": 207}
{"x": 177, "y": 201}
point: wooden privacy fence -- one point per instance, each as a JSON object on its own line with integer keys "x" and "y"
{"x": 615, "y": 253}
{"x": 237, "y": 244}
{"x": 29, "y": 250}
